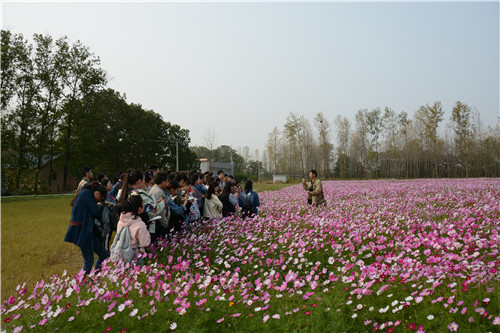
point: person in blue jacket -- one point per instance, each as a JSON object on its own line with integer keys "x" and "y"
{"x": 81, "y": 226}
{"x": 249, "y": 201}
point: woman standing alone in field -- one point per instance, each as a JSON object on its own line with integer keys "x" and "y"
{"x": 81, "y": 226}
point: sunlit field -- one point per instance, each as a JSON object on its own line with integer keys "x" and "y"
{"x": 382, "y": 256}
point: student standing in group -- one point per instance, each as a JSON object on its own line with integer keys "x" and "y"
{"x": 229, "y": 201}
{"x": 315, "y": 194}
{"x": 87, "y": 176}
{"x": 213, "y": 206}
{"x": 134, "y": 181}
{"x": 149, "y": 178}
{"x": 81, "y": 226}
{"x": 249, "y": 201}
{"x": 114, "y": 191}
{"x": 237, "y": 188}
{"x": 158, "y": 194}
{"x": 221, "y": 175}
{"x": 130, "y": 217}
{"x": 176, "y": 211}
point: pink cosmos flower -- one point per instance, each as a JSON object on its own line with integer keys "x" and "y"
{"x": 108, "y": 315}
{"x": 453, "y": 327}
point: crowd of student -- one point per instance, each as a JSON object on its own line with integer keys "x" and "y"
{"x": 153, "y": 205}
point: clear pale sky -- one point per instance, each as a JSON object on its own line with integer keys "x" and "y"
{"x": 241, "y": 68}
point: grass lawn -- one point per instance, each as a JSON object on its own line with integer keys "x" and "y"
{"x": 33, "y": 230}
{"x": 32, "y": 241}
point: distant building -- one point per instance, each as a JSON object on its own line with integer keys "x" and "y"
{"x": 57, "y": 176}
{"x": 279, "y": 178}
{"x": 206, "y": 165}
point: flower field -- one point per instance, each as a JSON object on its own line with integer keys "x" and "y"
{"x": 382, "y": 256}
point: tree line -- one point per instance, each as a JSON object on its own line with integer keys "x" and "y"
{"x": 56, "y": 105}
{"x": 386, "y": 144}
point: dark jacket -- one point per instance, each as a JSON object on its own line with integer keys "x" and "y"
{"x": 227, "y": 207}
{"x": 254, "y": 202}
{"x": 81, "y": 225}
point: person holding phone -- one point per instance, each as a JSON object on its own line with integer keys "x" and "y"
{"x": 134, "y": 181}
{"x": 315, "y": 194}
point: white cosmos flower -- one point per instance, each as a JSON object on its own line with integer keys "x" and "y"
{"x": 384, "y": 310}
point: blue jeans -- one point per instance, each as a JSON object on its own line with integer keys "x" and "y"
{"x": 88, "y": 255}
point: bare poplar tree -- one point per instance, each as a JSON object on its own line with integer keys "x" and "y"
{"x": 343, "y": 129}
{"x": 325, "y": 147}
{"x": 210, "y": 139}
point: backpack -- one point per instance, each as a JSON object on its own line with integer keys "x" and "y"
{"x": 246, "y": 207}
{"x": 122, "y": 246}
{"x": 194, "y": 213}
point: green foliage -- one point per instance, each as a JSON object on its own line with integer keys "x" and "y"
{"x": 54, "y": 102}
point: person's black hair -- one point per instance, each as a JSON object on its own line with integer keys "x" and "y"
{"x": 132, "y": 205}
{"x": 85, "y": 169}
{"x": 248, "y": 186}
{"x": 211, "y": 189}
{"x": 94, "y": 187}
{"x": 194, "y": 178}
{"x": 105, "y": 182}
{"x": 227, "y": 189}
{"x": 148, "y": 176}
{"x": 172, "y": 185}
{"x": 181, "y": 176}
{"x": 100, "y": 177}
{"x": 118, "y": 177}
{"x": 153, "y": 167}
{"x": 161, "y": 177}
{"x": 314, "y": 172}
{"x": 131, "y": 178}
{"x": 171, "y": 176}
{"x": 219, "y": 172}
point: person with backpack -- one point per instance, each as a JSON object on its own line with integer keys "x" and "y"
{"x": 249, "y": 201}
{"x": 134, "y": 182}
{"x": 81, "y": 226}
{"x": 132, "y": 236}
